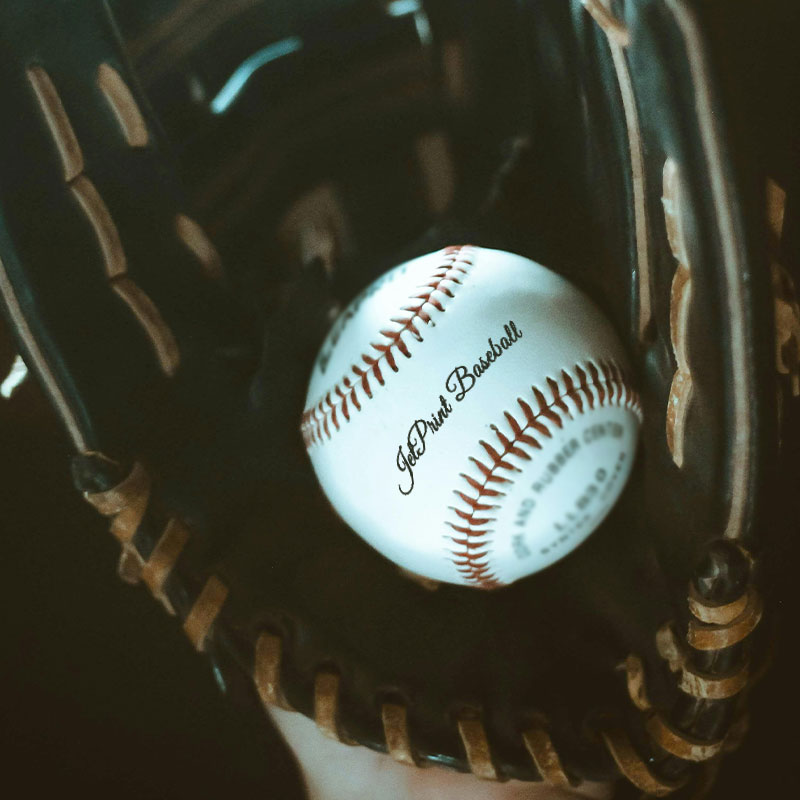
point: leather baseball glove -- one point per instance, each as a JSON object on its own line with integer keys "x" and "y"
{"x": 189, "y": 191}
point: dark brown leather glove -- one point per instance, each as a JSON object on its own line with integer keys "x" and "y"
{"x": 320, "y": 143}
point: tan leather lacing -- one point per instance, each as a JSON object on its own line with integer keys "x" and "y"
{"x": 721, "y": 625}
{"x": 681, "y": 389}
{"x": 122, "y": 103}
{"x": 98, "y": 214}
{"x": 134, "y": 132}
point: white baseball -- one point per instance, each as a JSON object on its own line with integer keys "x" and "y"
{"x": 470, "y": 417}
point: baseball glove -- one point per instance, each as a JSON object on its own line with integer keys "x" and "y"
{"x": 188, "y": 194}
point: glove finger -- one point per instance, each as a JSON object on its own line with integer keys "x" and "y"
{"x": 114, "y": 291}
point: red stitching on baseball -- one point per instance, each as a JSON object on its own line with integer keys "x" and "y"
{"x": 316, "y": 421}
{"x": 596, "y": 387}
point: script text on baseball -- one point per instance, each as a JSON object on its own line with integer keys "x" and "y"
{"x": 459, "y": 382}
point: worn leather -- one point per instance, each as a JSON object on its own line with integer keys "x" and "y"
{"x": 541, "y": 151}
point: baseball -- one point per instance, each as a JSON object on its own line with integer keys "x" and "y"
{"x": 469, "y": 415}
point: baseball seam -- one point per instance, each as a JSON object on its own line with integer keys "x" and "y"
{"x": 321, "y": 420}
{"x": 592, "y": 386}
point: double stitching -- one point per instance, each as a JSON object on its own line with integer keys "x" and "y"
{"x": 320, "y": 421}
{"x": 592, "y": 386}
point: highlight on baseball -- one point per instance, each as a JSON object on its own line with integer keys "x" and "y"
{"x": 470, "y": 416}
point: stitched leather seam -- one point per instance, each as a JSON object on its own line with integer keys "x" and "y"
{"x": 320, "y": 421}
{"x": 594, "y": 386}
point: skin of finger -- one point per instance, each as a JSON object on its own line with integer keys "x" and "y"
{"x": 335, "y": 771}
